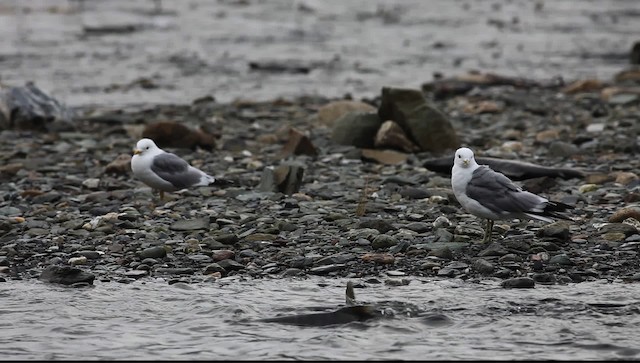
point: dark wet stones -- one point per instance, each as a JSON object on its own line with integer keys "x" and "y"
{"x": 153, "y": 252}
{"x": 383, "y": 241}
{"x": 518, "y": 283}
{"x": 483, "y": 266}
{"x": 383, "y": 226}
{"x": 326, "y": 269}
{"x": 561, "y": 259}
{"x": 66, "y": 275}
{"x": 556, "y": 230}
{"x": 545, "y": 278}
{"x": 624, "y": 228}
{"x": 443, "y": 252}
{"x": 213, "y": 268}
{"x": 230, "y": 265}
{"x": 414, "y": 193}
{"x": 136, "y": 274}
{"x": 419, "y": 227}
{"x": 494, "y": 249}
{"x": 335, "y": 259}
{"x": 174, "y": 271}
{"x": 92, "y": 255}
{"x": 190, "y": 224}
{"x": 452, "y": 269}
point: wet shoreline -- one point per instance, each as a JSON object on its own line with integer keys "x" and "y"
{"x": 119, "y": 53}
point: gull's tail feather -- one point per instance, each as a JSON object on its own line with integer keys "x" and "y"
{"x": 223, "y": 182}
{"x": 552, "y": 210}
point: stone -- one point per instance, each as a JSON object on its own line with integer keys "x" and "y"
{"x": 429, "y": 127}
{"x": 286, "y": 178}
{"x": 120, "y": 165}
{"x": 356, "y": 129}
{"x": 386, "y": 157}
{"x": 190, "y": 224}
{"x": 153, "y": 252}
{"x": 391, "y": 135}
{"x": 624, "y": 213}
{"x": 558, "y": 230}
{"x": 518, "y": 283}
{"x": 381, "y": 258}
{"x": 328, "y": 114}
{"x": 66, "y": 275}
{"x": 298, "y": 144}
{"x": 383, "y": 241}
{"x": 29, "y": 108}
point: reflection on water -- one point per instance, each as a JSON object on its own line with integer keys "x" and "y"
{"x": 427, "y": 319}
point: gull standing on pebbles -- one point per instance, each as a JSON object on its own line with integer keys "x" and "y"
{"x": 165, "y": 171}
{"x": 488, "y": 194}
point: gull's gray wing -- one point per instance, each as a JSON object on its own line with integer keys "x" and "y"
{"x": 175, "y": 170}
{"x": 498, "y": 193}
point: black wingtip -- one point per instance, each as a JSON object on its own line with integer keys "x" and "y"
{"x": 556, "y": 210}
{"x": 223, "y": 182}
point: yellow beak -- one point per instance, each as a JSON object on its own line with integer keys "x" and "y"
{"x": 136, "y": 151}
{"x": 465, "y": 162}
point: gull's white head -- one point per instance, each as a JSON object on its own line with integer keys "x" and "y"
{"x": 464, "y": 157}
{"x": 145, "y": 146}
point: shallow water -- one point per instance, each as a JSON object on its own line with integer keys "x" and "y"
{"x": 431, "y": 319}
{"x": 189, "y": 49}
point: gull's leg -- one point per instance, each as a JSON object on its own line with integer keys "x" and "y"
{"x": 161, "y": 195}
{"x": 487, "y": 231}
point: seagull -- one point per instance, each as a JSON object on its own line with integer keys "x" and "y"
{"x": 165, "y": 171}
{"x": 489, "y": 194}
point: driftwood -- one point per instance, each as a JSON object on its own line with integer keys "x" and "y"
{"x": 514, "y": 169}
{"x": 458, "y": 85}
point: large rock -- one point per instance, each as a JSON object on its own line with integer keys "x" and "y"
{"x": 422, "y": 121}
{"x": 357, "y": 129}
{"x": 29, "y": 108}
{"x": 391, "y": 135}
{"x": 331, "y": 112}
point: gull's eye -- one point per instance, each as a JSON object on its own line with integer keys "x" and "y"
{"x": 459, "y": 156}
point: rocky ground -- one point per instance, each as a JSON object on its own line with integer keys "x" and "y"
{"x": 304, "y": 195}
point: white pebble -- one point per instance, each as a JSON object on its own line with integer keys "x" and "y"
{"x": 78, "y": 261}
{"x": 91, "y": 183}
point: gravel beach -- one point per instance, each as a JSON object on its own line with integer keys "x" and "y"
{"x": 311, "y": 185}
{"x": 71, "y": 207}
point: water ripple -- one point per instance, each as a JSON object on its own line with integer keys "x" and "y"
{"x": 427, "y": 319}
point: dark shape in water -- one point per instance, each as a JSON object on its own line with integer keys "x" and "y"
{"x": 344, "y": 315}
{"x": 516, "y": 170}
{"x": 341, "y": 316}
{"x": 66, "y": 275}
